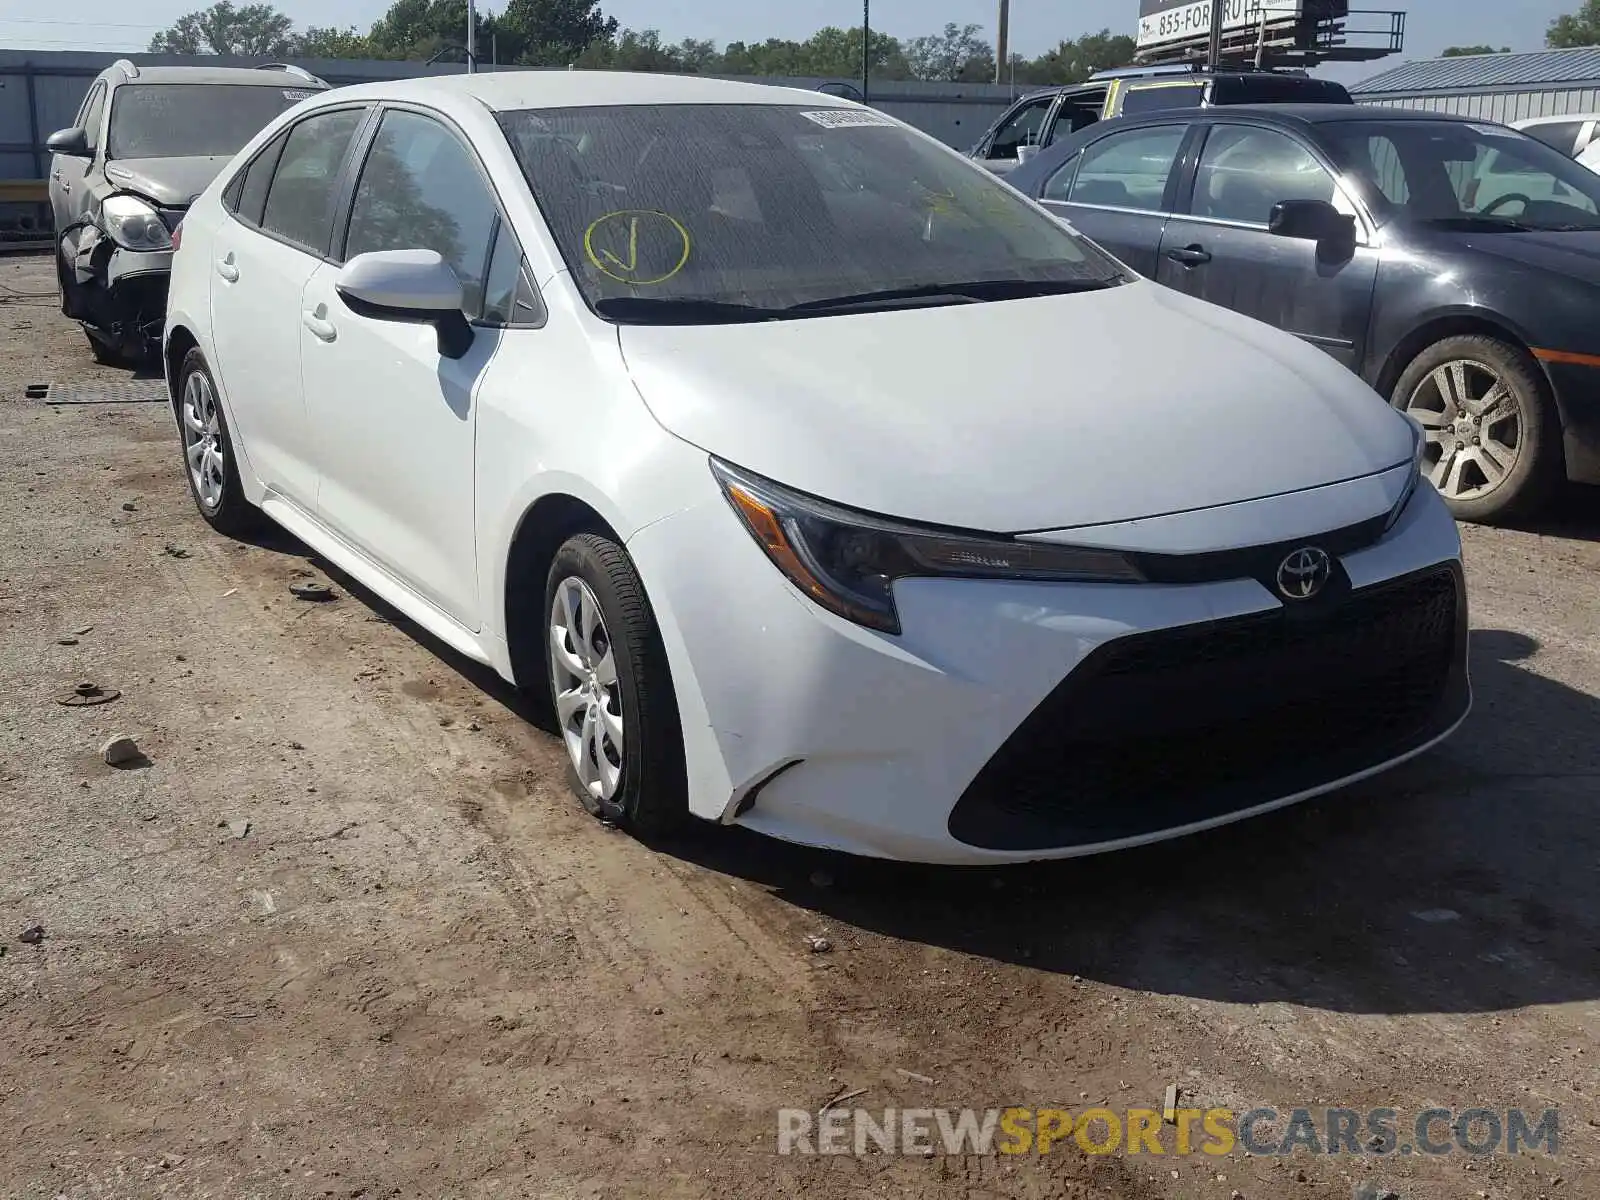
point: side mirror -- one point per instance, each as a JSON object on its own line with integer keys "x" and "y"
{"x": 72, "y": 142}
{"x": 1314, "y": 221}
{"x": 408, "y": 285}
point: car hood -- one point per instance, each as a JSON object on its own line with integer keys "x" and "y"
{"x": 170, "y": 182}
{"x": 1574, "y": 255}
{"x": 1021, "y": 415}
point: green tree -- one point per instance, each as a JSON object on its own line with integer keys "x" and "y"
{"x": 631, "y": 51}
{"x": 254, "y": 31}
{"x": 1581, "y": 28}
{"x": 1465, "y": 51}
{"x": 1075, "y": 61}
{"x": 956, "y": 54}
{"x": 419, "y": 29}
{"x": 317, "y": 42}
{"x": 553, "y": 33}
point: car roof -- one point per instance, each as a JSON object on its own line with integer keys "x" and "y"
{"x": 503, "y": 91}
{"x": 1527, "y": 122}
{"x": 1319, "y": 114}
{"x": 262, "y": 76}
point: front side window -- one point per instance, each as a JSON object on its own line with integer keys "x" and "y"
{"x": 192, "y": 120}
{"x": 93, "y": 109}
{"x": 299, "y": 203}
{"x": 773, "y": 206}
{"x": 420, "y": 188}
{"x": 1245, "y": 171}
{"x": 1462, "y": 174}
{"x": 1129, "y": 169}
{"x": 1020, "y": 129}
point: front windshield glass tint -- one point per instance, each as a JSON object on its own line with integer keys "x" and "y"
{"x": 771, "y": 206}
{"x": 1455, "y": 173}
{"x": 179, "y": 120}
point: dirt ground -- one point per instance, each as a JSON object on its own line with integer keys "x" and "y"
{"x": 422, "y": 971}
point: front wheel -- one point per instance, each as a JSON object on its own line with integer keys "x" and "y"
{"x": 1494, "y": 439}
{"x": 611, "y": 689}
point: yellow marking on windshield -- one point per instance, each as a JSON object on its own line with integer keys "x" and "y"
{"x": 630, "y": 270}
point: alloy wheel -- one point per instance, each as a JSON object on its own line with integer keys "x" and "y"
{"x": 202, "y": 440}
{"x": 1473, "y": 424}
{"x": 583, "y": 669}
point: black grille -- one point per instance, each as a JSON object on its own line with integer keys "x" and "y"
{"x": 1162, "y": 730}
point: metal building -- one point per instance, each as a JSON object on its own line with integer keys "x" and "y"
{"x": 1497, "y": 87}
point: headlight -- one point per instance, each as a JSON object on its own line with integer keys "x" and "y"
{"x": 848, "y": 561}
{"x": 134, "y": 225}
{"x": 1419, "y": 443}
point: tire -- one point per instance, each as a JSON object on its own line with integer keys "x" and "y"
{"x": 1525, "y": 465}
{"x": 219, "y": 496}
{"x": 642, "y": 788}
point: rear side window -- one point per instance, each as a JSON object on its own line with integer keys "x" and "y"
{"x": 1559, "y": 135}
{"x": 1154, "y": 98}
{"x": 1128, "y": 170}
{"x": 299, "y": 204}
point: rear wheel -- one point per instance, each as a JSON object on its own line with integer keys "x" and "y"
{"x": 1494, "y": 439}
{"x": 611, "y": 690}
{"x": 208, "y": 456}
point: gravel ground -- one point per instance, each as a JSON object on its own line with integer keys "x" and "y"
{"x": 421, "y": 971}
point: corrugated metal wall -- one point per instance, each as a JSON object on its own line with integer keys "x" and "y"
{"x": 1504, "y": 107}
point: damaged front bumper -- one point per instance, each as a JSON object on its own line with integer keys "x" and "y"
{"x": 119, "y": 295}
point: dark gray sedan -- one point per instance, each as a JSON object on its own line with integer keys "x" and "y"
{"x": 1453, "y": 264}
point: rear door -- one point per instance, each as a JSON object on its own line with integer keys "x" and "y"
{"x": 278, "y": 234}
{"x": 1024, "y": 125}
{"x": 1118, "y": 190}
{"x": 1217, "y": 246}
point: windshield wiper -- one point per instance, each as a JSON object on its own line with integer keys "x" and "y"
{"x": 653, "y": 310}
{"x": 1468, "y": 223}
{"x": 967, "y": 292}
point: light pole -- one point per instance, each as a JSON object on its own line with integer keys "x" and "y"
{"x": 866, "y": 49}
{"x": 1002, "y": 43}
{"x": 472, "y": 36}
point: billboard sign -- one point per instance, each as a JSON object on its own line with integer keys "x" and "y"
{"x": 1167, "y": 22}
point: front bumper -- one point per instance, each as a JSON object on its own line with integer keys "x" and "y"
{"x": 121, "y": 295}
{"x": 986, "y": 731}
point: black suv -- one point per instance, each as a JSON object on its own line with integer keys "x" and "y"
{"x": 1041, "y": 118}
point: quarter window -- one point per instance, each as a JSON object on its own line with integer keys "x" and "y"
{"x": 1128, "y": 170}
{"x": 299, "y": 203}
{"x": 420, "y": 188}
{"x": 1245, "y": 171}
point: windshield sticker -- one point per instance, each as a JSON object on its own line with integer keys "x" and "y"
{"x": 613, "y": 244}
{"x": 1491, "y": 130}
{"x": 297, "y": 93}
{"x": 849, "y": 118}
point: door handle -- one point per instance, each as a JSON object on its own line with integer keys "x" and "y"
{"x": 227, "y": 270}
{"x": 1190, "y": 256}
{"x": 320, "y": 326}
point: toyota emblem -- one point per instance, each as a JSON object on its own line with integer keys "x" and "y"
{"x": 1304, "y": 573}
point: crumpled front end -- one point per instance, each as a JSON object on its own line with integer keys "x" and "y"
{"x": 118, "y": 295}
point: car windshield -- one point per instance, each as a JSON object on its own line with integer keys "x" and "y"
{"x": 1457, "y": 174}
{"x": 708, "y": 213}
{"x": 180, "y": 120}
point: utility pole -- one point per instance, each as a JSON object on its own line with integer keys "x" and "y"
{"x": 1214, "y": 55}
{"x": 472, "y": 36}
{"x": 1002, "y": 43}
{"x": 866, "y": 49}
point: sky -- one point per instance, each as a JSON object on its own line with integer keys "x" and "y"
{"x": 1036, "y": 25}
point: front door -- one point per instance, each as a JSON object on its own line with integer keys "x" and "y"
{"x": 395, "y": 419}
{"x": 1220, "y": 249}
{"x": 261, "y": 258}
{"x": 1117, "y": 191}
{"x": 69, "y": 192}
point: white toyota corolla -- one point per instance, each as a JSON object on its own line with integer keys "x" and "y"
{"x": 825, "y": 484}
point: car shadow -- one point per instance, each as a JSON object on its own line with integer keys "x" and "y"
{"x": 1462, "y": 881}
{"x": 1573, "y": 513}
